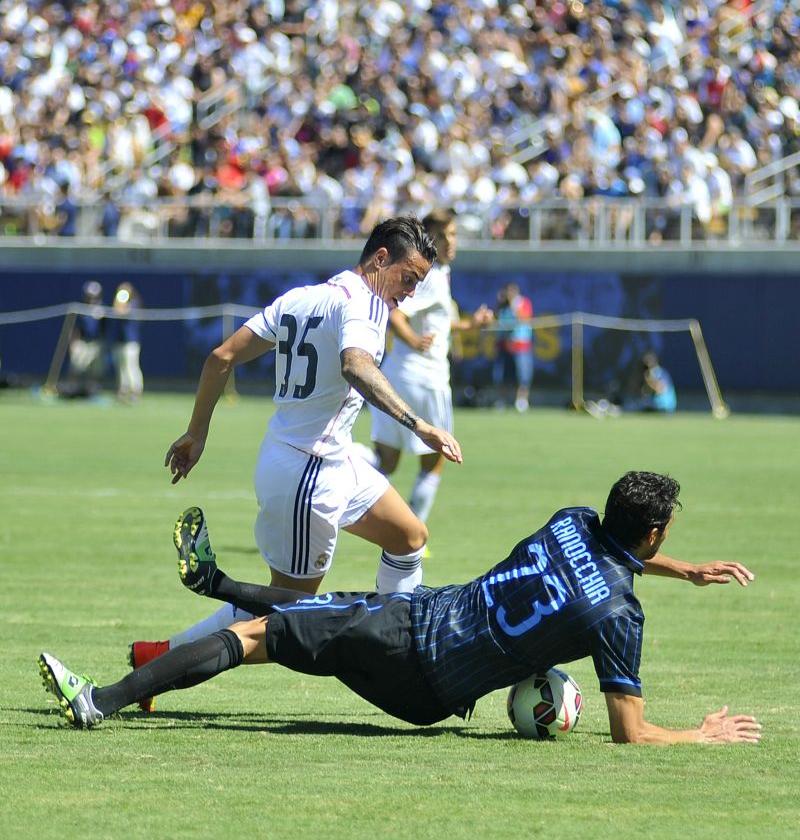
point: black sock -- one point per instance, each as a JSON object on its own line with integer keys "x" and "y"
{"x": 181, "y": 667}
{"x": 251, "y": 597}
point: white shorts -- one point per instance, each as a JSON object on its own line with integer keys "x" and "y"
{"x": 432, "y": 404}
{"x": 303, "y": 500}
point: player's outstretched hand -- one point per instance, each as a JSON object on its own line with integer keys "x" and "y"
{"x": 483, "y": 316}
{"x": 722, "y": 728}
{"x": 183, "y": 455}
{"x": 721, "y": 571}
{"x": 439, "y": 440}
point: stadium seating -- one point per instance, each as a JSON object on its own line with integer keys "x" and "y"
{"x": 250, "y": 118}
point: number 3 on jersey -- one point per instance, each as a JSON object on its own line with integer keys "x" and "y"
{"x": 304, "y": 348}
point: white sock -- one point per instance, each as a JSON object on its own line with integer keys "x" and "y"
{"x": 399, "y": 572}
{"x": 222, "y": 618}
{"x": 423, "y": 493}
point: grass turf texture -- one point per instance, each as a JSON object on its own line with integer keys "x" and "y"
{"x": 88, "y": 565}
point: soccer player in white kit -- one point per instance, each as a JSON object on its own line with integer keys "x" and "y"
{"x": 329, "y": 340}
{"x": 419, "y": 368}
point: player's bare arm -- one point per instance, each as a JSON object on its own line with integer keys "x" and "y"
{"x": 628, "y": 726}
{"x": 481, "y": 317}
{"x": 403, "y": 330}
{"x": 703, "y": 574}
{"x": 361, "y": 372}
{"x": 243, "y": 346}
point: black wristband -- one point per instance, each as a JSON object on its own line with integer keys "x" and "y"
{"x": 408, "y": 420}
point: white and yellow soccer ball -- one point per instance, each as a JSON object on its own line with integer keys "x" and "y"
{"x": 545, "y": 706}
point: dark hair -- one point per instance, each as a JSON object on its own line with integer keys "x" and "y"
{"x": 400, "y": 236}
{"x": 639, "y": 502}
{"x": 437, "y": 220}
{"x": 649, "y": 360}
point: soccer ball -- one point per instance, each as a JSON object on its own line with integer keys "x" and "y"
{"x": 545, "y": 705}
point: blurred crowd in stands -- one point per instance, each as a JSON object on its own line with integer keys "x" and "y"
{"x": 259, "y": 111}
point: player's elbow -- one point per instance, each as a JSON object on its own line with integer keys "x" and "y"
{"x": 626, "y": 737}
{"x": 349, "y": 370}
{"x": 628, "y": 731}
{"x": 352, "y": 364}
{"x": 643, "y": 734}
{"x": 220, "y": 359}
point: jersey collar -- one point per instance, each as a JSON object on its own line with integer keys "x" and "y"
{"x": 622, "y": 554}
{"x": 615, "y": 549}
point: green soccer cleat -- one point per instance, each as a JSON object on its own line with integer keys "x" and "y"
{"x": 197, "y": 564}
{"x": 73, "y": 692}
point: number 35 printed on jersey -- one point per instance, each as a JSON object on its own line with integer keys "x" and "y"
{"x": 304, "y": 348}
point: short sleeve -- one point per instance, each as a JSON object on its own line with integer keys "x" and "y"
{"x": 617, "y": 655}
{"x": 426, "y": 295}
{"x": 264, "y": 324}
{"x": 363, "y": 324}
{"x": 525, "y": 308}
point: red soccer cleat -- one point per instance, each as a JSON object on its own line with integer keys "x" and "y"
{"x": 140, "y": 653}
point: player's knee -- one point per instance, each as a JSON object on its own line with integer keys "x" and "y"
{"x": 417, "y": 537}
{"x": 407, "y": 540}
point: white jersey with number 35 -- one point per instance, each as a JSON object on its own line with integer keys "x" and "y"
{"x": 311, "y": 325}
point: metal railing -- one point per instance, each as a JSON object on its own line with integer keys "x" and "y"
{"x": 212, "y": 107}
{"x": 776, "y": 172}
{"x": 584, "y": 224}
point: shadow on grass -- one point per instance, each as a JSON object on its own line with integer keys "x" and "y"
{"x": 283, "y": 724}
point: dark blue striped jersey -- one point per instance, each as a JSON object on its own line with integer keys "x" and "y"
{"x": 563, "y": 593}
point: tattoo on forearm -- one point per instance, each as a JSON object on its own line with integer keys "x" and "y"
{"x": 408, "y": 420}
{"x": 360, "y": 371}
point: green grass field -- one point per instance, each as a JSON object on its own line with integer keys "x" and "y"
{"x": 88, "y": 565}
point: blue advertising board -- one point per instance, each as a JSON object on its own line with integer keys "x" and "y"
{"x": 749, "y": 322}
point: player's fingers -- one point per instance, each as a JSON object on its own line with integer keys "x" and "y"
{"x": 742, "y": 574}
{"x": 743, "y": 738}
{"x": 747, "y": 735}
{"x": 452, "y": 453}
{"x": 725, "y": 572}
{"x": 169, "y": 454}
{"x": 746, "y": 719}
{"x": 750, "y": 730}
{"x": 753, "y": 729}
{"x": 455, "y": 449}
{"x": 176, "y": 467}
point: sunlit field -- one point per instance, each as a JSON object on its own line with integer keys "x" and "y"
{"x": 86, "y": 512}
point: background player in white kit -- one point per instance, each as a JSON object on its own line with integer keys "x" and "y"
{"x": 329, "y": 340}
{"x": 419, "y": 368}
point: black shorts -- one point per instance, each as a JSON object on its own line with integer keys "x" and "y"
{"x": 362, "y": 639}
